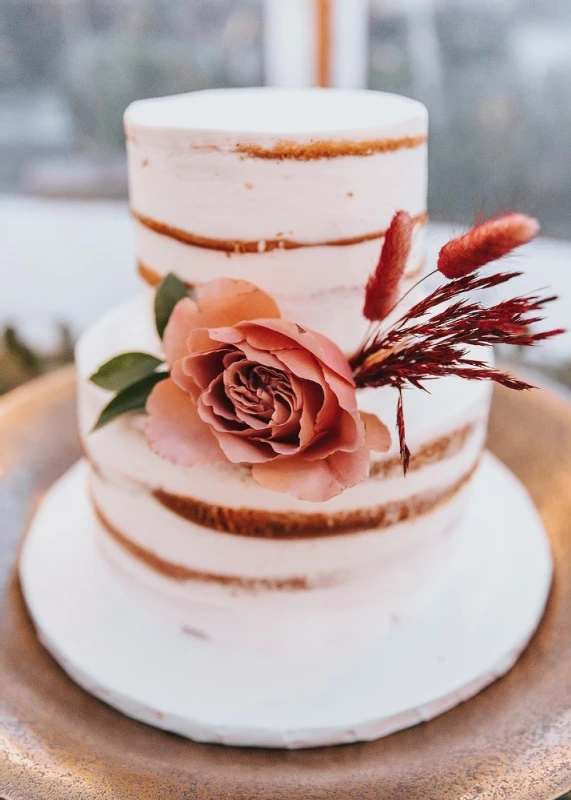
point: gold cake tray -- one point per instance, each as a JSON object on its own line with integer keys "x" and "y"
{"x": 511, "y": 741}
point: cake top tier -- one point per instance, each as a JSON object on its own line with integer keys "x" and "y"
{"x": 250, "y": 169}
{"x": 292, "y": 190}
{"x": 292, "y": 113}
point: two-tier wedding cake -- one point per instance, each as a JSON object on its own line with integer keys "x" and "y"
{"x": 277, "y": 536}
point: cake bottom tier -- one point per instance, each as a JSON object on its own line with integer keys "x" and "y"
{"x": 332, "y": 591}
{"x": 137, "y": 657}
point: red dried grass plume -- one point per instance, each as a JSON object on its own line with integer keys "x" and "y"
{"x": 486, "y": 242}
{"x": 404, "y": 450}
{"x": 382, "y": 290}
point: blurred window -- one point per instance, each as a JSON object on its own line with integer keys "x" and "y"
{"x": 496, "y": 77}
{"x": 68, "y": 69}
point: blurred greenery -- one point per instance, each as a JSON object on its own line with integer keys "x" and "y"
{"x": 20, "y": 362}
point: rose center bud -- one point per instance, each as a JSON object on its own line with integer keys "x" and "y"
{"x": 260, "y": 395}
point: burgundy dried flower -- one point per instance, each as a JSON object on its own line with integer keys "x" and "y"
{"x": 432, "y": 340}
{"x": 404, "y": 450}
{"x": 382, "y": 289}
{"x": 486, "y": 242}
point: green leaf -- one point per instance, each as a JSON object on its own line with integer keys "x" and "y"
{"x": 125, "y": 370}
{"x": 169, "y": 292}
{"x": 133, "y": 398}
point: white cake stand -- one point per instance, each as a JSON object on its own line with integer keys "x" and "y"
{"x": 470, "y": 634}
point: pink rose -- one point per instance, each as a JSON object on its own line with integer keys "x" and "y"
{"x": 248, "y": 387}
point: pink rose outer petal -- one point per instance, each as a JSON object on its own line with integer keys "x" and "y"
{"x": 315, "y": 481}
{"x": 182, "y": 321}
{"x": 377, "y": 435}
{"x": 175, "y": 431}
{"x": 225, "y": 302}
{"x": 321, "y": 347}
{"x": 220, "y": 303}
{"x": 240, "y": 451}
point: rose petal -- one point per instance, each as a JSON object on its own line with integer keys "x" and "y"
{"x": 303, "y": 479}
{"x": 226, "y": 302}
{"x": 184, "y": 318}
{"x": 285, "y": 437}
{"x": 239, "y": 450}
{"x": 225, "y": 335}
{"x": 199, "y": 341}
{"x": 302, "y": 363}
{"x": 321, "y": 347}
{"x": 259, "y": 356}
{"x": 219, "y": 303}
{"x": 283, "y": 449}
{"x": 350, "y": 468}
{"x": 313, "y": 398}
{"x": 175, "y": 431}
{"x": 377, "y": 435}
{"x": 282, "y": 412}
{"x": 211, "y": 415}
{"x": 329, "y": 413}
{"x": 316, "y": 481}
{"x": 344, "y": 391}
{"x": 348, "y": 435}
{"x": 215, "y": 397}
{"x": 201, "y": 368}
{"x": 184, "y": 381}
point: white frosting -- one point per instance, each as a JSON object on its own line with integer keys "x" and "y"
{"x": 261, "y": 114}
{"x": 199, "y": 192}
{"x": 375, "y": 580}
{"x": 327, "y": 559}
{"x": 320, "y": 288}
{"x": 281, "y": 273}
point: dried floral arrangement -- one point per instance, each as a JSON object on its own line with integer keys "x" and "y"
{"x": 239, "y": 384}
{"x": 430, "y": 340}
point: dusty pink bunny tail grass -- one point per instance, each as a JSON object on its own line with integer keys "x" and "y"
{"x": 382, "y": 289}
{"x": 486, "y": 242}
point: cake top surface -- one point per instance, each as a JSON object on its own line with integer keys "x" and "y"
{"x": 281, "y": 112}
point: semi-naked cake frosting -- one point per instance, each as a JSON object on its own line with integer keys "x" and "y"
{"x": 294, "y": 192}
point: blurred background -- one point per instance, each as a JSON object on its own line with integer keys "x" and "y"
{"x": 495, "y": 75}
